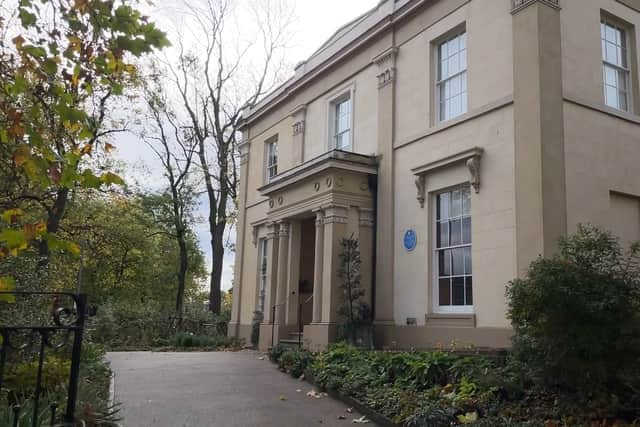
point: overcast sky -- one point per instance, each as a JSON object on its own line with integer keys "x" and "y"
{"x": 316, "y": 21}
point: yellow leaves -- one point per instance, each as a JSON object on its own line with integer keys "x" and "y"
{"x": 108, "y": 148}
{"x": 72, "y": 127}
{"x": 7, "y": 284}
{"x": 81, "y": 5}
{"x": 75, "y": 43}
{"x": 86, "y": 149}
{"x": 35, "y": 230}
{"x": 21, "y": 154}
{"x": 12, "y": 216}
{"x": 468, "y": 418}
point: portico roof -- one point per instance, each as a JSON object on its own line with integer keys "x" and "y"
{"x": 335, "y": 159}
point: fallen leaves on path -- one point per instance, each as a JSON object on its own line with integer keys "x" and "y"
{"x": 361, "y": 420}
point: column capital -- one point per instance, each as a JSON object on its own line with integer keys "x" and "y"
{"x": 284, "y": 228}
{"x": 272, "y": 230}
{"x": 366, "y": 217}
{"x": 319, "y": 217}
{"x": 336, "y": 214}
{"x": 518, "y": 5}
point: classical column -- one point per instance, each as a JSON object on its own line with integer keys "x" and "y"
{"x": 283, "y": 267}
{"x": 317, "y": 269}
{"x": 293, "y": 280}
{"x": 335, "y": 228}
{"x": 541, "y": 216}
{"x": 385, "y": 237}
{"x": 365, "y": 240}
{"x": 272, "y": 271}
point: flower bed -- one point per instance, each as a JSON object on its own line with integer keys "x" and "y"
{"x": 444, "y": 388}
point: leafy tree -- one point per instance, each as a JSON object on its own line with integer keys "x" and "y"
{"x": 353, "y": 310}
{"x": 576, "y": 315}
{"x": 60, "y": 74}
{"x": 215, "y": 85}
{"x": 175, "y": 148}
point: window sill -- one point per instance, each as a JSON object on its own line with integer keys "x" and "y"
{"x": 462, "y": 320}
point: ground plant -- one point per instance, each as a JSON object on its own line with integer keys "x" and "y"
{"x": 575, "y": 358}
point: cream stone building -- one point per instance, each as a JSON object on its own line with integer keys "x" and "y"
{"x": 457, "y": 140}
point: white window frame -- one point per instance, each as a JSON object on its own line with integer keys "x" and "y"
{"x": 618, "y": 68}
{"x": 263, "y": 262}
{"x": 271, "y": 169}
{"x": 440, "y": 82}
{"x": 449, "y": 309}
{"x": 336, "y": 98}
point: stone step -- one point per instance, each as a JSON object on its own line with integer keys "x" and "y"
{"x": 290, "y": 342}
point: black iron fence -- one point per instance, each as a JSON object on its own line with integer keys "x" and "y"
{"x": 62, "y": 327}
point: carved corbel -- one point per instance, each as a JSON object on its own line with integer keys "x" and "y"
{"x": 421, "y": 186}
{"x": 473, "y": 164}
{"x": 254, "y": 235}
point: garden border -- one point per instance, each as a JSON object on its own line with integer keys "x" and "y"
{"x": 365, "y": 410}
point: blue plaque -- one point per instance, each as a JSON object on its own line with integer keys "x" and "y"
{"x": 410, "y": 240}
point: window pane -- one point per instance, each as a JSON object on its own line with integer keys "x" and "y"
{"x": 622, "y": 97}
{"x": 463, "y": 41}
{"x": 456, "y": 203}
{"x": 466, "y": 230}
{"x": 610, "y": 75}
{"x": 456, "y": 232}
{"x": 458, "y": 291}
{"x": 443, "y": 206}
{"x": 443, "y": 234}
{"x": 622, "y": 80}
{"x": 444, "y": 292}
{"x": 444, "y": 263}
{"x": 469, "y": 290}
{"x": 612, "y": 53}
{"x": 467, "y": 260}
{"x": 466, "y": 201}
{"x": 611, "y": 96}
{"x": 610, "y": 33}
{"x": 457, "y": 256}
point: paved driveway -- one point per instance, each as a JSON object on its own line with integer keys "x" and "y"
{"x": 216, "y": 389}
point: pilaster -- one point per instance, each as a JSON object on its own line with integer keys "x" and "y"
{"x": 335, "y": 228}
{"x": 293, "y": 295}
{"x": 318, "y": 266}
{"x": 283, "y": 270}
{"x": 272, "y": 271}
{"x": 236, "y": 298}
{"x": 383, "y": 298}
{"x": 539, "y": 129}
{"x": 365, "y": 239}
{"x": 298, "y": 129}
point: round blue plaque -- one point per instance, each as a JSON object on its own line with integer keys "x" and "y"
{"x": 410, "y": 240}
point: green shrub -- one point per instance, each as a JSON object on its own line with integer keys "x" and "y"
{"x": 576, "y": 315}
{"x": 295, "y": 361}
{"x": 185, "y": 340}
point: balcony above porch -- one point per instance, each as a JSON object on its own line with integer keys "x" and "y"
{"x": 334, "y": 178}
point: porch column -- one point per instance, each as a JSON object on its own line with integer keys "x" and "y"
{"x": 335, "y": 228}
{"x": 317, "y": 269}
{"x": 293, "y": 281}
{"x": 283, "y": 267}
{"x": 272, "y": 271}
{"x": 365, "y": 237}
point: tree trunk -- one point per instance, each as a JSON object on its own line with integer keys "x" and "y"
{"x": 217, "y": 261}
{"x": 55, "y": 215}
{"x": 182, "y": 273}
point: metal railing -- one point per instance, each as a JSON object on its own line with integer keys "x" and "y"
{"x": 300, "y": 324}
{"x": 65, "y": 321}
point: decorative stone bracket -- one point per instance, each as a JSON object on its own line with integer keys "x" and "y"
{"x": 470, "y": 157}
{"x": 386, "y": 62}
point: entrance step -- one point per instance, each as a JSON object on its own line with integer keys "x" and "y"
{"x": 291, "y": 342}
